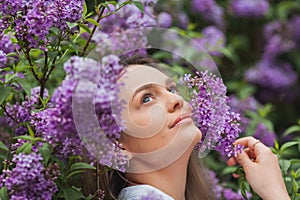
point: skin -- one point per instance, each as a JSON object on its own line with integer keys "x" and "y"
{"x": 146, "y": 135}
{"x": 261, "y": 169}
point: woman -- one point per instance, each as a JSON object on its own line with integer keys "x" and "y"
{"x": 160, "y": 139}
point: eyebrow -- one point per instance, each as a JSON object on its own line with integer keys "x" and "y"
{"x": 150, "y": 86}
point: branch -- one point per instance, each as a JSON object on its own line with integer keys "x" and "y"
{"x": 93, "y": 31}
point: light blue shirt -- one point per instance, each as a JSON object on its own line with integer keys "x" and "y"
{"x": 143, "y": 192}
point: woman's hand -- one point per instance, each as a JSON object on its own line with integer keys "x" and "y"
{"x": 261, "y": 168}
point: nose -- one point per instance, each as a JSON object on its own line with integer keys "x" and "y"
{"x": 174, "y": 102}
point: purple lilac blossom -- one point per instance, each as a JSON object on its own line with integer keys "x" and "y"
{"x": 210, "y": 11}
{"x": 243, "y": 106}
{"x": 128, "y": 17}
{"x": 271, "y": 74}
{"x": 219, "y": 126}
{"x": 280, "y": 39}
{"x": 120, "y": 42}
{"x": 66, "y": 11}
{"x": 182, "y": 20}
{"x": 22, "y": 113}
{"x": 6, "y": 44}
{"x": 213, "y": 40}
{"x": 164, "y": 20}
{"x": 221, "y": 192}
{"x": 249, "y": 8}
{"x": 29, "y": 179}
{"x": 294, "y": 26}
{"x": 3, "y": 59}
{"x": 266, "y": 136}
{"x": 56, "y": 123}
{"x": 31, "y": 20}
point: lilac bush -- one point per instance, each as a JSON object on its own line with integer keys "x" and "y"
{"x": 43, "y": 50}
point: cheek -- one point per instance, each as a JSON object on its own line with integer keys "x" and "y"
{"x": 145, "y": 122}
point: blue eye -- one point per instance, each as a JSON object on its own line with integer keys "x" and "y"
{"x": 173, "y": 89}
{"x": 147, "y": 98}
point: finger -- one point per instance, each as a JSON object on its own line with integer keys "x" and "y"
{"x": 231, "y": 161}
{"x": 236, "y": 175}
{"x": 251, "y": 143}
{"x": 243, "y": 159}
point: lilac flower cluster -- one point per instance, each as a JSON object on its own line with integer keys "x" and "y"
{"x": 20, "y": 114}
{"x": 272, "y": 74}
{"x": 29, "y": 179}
{"x": 250, "y": 104}
{"x": 120, "y": 42}
{"x": 129, "y": 17}
{"x": 210, "y": 11}
{"x": 220, "y": 191}
{"x": 249, "y": 8}
{"x": 57, "y": 124}
{"x": 220, "y": 128}
{"x": 280, "y": 38}
{"x": 164, "y": 20}
{"x": 213, "y": 40}
{"x": 32, "y": 19}
{"x": 3, "y": 59}
{"x": 6, "y": 44}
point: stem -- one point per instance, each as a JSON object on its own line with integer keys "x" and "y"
{"x": 30, "y": 63}
{"x": 8, "y": 153}
{"x": 97, "y": 178}
{"x": 93, "y": 31}
{"x": 4, "y": 109}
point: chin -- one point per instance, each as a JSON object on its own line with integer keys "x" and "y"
{"x": 198, "y": 136}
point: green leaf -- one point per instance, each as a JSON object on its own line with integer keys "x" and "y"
{"x": 284, "y": 165}
{"x": 74, "y": 173}
{"x": 85, "y": 27}
{"x": 287, "y": 145}
{"x": 45, "y": 151}
{"x": 264, "y": 111}
{"x": 297, "y": 173}
{"x": 72, "y": 193}
{"x": 285, "y": 7}
{"x": 81, "y": 165}
{"x": 276, "y": 144}
{"x": 24, "y": 84}
{"x": 295, "y": 185}
{"x": 4, "y": 91}
{"x": 25, "y": 137}
{"x": 3, "y": 146}
{"x": 71, "y": 25}
{"x": 25, "y": 148}
{"x": 292, "y": 129}
{"x": 229, "y": 170}
{"x": 139, "y": 5}
{"x": 93, "y": 22}
{"x": 84, "y": 9}
{"x": 3, "y": 193}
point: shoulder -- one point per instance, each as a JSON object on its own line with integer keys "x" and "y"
{"x": 143, "y": 192}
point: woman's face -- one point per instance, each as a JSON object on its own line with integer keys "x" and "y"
{"x": 156, "y": 116}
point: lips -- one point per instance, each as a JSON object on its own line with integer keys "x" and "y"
{"x": 179, "y": 119}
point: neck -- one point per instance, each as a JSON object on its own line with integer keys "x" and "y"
{"x": 170, "y": 180}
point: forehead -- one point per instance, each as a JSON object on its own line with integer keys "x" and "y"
{"x": 142, "y": 74}
{"x": 139, "y": 75}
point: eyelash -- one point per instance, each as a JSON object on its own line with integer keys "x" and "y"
{"x": 146, "y": 95}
